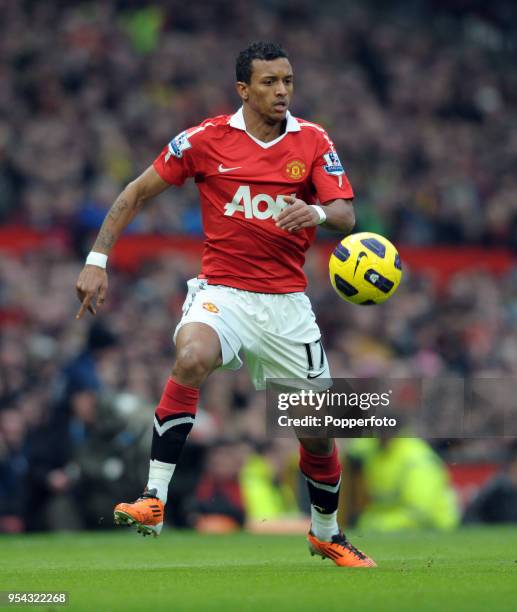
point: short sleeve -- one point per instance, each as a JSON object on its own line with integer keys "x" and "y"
{"x": 176, "y": 162}
{"x": 328, "y": 176}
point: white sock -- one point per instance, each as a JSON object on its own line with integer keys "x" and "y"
{"x": 160, "y": 475}
{"x": 324, "y": 526}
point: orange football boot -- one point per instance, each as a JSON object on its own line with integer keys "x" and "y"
{"x": 146, "y": 514}
{"x": 339, "y": 550}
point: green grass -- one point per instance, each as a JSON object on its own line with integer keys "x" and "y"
{"x": 473, "y": 569}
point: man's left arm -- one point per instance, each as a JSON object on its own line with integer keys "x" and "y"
{"x": 298, "y": 215}
{"x": 331, "y": 187}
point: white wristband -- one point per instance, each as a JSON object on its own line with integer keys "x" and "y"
{"x": 321, "y": 213}
{"x": 97, "y": 259}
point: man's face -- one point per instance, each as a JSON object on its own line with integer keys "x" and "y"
{"x": 270, "y": 90}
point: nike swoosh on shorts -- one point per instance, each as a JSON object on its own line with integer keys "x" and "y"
{"x": 315, "y": 375}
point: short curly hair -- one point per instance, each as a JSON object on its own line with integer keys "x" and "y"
{"x": 258, "y": 50}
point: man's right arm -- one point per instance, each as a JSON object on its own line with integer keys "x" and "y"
{"x": 92, "y": 283}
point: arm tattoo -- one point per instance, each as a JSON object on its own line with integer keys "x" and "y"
{"x": 105, "y": 240}
{"x": 111, "y": 226}
{"x": 120, "y": 206}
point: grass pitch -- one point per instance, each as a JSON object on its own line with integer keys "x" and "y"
{"x": 473, "y": 569}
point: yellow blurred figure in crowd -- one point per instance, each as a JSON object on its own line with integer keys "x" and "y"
{"x": 407, "y": 483}
{"x": 266, "y": 482}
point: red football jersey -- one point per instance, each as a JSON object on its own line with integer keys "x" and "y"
{"x": 242, "y": 182}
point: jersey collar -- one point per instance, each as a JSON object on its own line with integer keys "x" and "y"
{"x": 237, "y": 121}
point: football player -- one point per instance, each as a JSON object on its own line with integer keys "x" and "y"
{"x": 266, "y": 180}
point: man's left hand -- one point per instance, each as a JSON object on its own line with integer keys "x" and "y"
{"x": 296, "y": 215}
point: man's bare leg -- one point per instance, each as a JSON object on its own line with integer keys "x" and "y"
{"x": 198, "y": 354}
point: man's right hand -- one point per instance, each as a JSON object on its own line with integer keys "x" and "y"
{"x": 92, "y": 284}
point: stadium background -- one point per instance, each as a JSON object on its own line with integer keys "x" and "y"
{"x": 420, "y": 99}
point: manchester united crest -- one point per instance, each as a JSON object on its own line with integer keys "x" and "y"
{"x": 210, "y": 307}
{"x": 295, "y": 170}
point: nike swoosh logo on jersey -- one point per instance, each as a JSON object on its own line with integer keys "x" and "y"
{"x": 221, "y": 168}
{"x": 359, "y": 257}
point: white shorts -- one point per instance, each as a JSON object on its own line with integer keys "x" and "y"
{"x": 277, "y": 333}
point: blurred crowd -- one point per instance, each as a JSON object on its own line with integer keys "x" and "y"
{"x": 419, "y": 97}
{"x": 78, "y": 397}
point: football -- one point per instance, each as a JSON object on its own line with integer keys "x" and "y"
{"x": 365, "y": 269}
